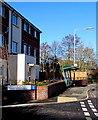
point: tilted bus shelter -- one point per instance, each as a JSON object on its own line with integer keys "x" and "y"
{"x": 66, "y": 70}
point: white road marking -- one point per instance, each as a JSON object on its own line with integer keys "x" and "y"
{"x": 86, "y": 114}
{"x": 28, "y": 104}
{"x": 90, "y": 103}
{"x": 88, "y": 118}
{"x": 89, "y": 100}
{"x": 84, "y": 109}
{"x": 81, "y": 102}
{"x": 83, "y": 105}
{"x": 96, "y": 114}
{"x": 94, "y": 110}
{"x": 92, "y": 106}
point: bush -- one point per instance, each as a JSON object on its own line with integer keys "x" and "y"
{"x": 41, "y": 83}
{"x": 37, "y": 83}
{"x": 28, "y": 83}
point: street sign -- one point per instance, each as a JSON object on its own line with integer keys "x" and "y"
{"x": 21, "y": 87}
{"x": 33, "y": 87}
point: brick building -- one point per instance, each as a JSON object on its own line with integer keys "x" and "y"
{"x": 19, "y": 47}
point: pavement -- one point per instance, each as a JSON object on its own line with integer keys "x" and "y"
{"x": 78, "y": 93}
{"x": 70, "y": 94}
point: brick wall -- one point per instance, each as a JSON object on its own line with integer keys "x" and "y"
{"x": 42, "y": 92}
{"x": 56, "y": 88}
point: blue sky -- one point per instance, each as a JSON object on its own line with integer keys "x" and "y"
{"x": 51, "y": 0}
{"x": 58, "y": 19}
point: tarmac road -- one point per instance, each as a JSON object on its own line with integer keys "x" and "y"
{"x": 79, "y": 110}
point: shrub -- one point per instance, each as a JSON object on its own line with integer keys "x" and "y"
{"x": 37, "y": 83}
{"x": 41, "y": 83}
{"x": 28, "y": 83}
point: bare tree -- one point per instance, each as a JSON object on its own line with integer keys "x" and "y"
{"x": 50, "y": 54}
{"x": 56, "y": 50}
{"x": 80, "y": 56}
{"x": 89, "y": 58}
{"x": 44, "y": 55}
{"x": 68, "y": 46}
{"x": 85, "y": 57}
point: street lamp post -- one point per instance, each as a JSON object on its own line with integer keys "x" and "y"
{"x": 74, "y": 45}
{"x": 75, "y": 42}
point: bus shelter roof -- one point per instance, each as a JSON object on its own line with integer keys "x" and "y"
{"x": 70, "y": 67}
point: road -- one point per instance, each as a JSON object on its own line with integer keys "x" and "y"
{"x": 84, "y": 110}
{"x": 79, "y": 110}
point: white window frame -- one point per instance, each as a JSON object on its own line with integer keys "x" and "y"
{"x": 15, "y": 19}
{"x": 14, "y": 47}
{"x": 1, "y": 40}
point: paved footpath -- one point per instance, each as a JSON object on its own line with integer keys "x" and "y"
{"x": 80, "y": 92}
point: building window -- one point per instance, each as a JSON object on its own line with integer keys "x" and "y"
{"x": 29, "y": 50}
{"x": 34, "y": 52}
{"x": 1, "y": 40}
{"x": 2, "y": 10}
{"x": 15, "y": 19}
{"x": 29, "y": 29}
{"x": 14, "y": 47}
{"x": 25, "y": 26}
{"x": 25, "y": 49}
{"x": 35, "y": 34}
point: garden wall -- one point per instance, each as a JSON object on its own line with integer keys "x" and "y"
{"x": 56, "y": 88}
{"x": 42, "y": 92}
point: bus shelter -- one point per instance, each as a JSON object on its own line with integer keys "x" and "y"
{"x": 66, "y": 70}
